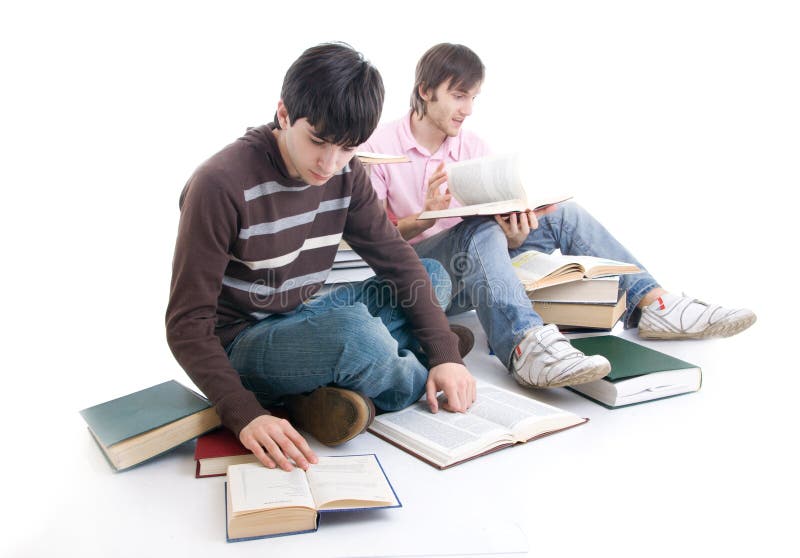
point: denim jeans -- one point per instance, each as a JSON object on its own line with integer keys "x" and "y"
{"x": 475, "y": 253}
{"x": 355, "y": 336}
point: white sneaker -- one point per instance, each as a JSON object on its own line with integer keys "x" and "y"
{"x": 683, "y": 317}
{"x": 545, "y": 358}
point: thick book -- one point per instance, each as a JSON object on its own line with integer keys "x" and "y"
{"x": 597, "y": 290}
{"x": 537, "y": 269}
{"x": 498, "y": 419}
{"x": 216, "y": 451}
{"x": 492, "y": 185}
{"x": 590, "y": 314}
{"x": 138, "y": 426}
{"x": 263, "y": 502}
{"x": 638, "y": 373}
{"x": 370, "y": 158}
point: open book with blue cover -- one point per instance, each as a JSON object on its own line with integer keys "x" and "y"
{"x": 263, "y": 502}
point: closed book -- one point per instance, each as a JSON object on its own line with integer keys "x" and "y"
{"x": 138, "y": 426}
{"x": 217, "y": 450}
{"x": 638, "y": 373}
{"x": 591, "y": 315}
{"x": 601, "y": 290}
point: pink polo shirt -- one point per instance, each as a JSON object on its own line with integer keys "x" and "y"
{"x": 404, "y": 185}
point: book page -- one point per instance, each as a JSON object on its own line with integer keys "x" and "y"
{"x": 533, "y": 265}
{"x": 350, "y": 477}
{"x": 486, "y": 179}
{"x": 444, "y": 432}
{"x": 254, "y": 487}
{"x": 595, "y": 267}
{"x": 510, "y": 409}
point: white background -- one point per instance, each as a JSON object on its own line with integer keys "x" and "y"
{"x": 676, "y": 123}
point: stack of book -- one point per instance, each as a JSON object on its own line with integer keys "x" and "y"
{"x": 574, "y": 292}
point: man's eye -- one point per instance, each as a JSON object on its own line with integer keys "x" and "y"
{"x": 316, "y": 141}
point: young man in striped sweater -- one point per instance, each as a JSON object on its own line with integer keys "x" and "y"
{"x": 260, "y": 225}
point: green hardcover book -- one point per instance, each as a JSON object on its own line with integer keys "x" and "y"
{"x": 638, "y": 373}
{"x": 141, "y": 425}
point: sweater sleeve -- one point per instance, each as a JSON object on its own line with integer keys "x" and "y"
{"x": 370, "y": 233}
{"x": 207, "y": 229}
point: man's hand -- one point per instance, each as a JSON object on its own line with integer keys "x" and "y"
{"x": 434, "y": 198}
{"x": 456, "y": 382}
{"x": 280, "y": 440}
{"x": 517, "y": 227}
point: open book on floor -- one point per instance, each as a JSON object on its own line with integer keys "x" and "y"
{"x": 491, "y": 185}
{"x": 263, "y": 502}
{"x": 537, "y": 269}
{"x": 638, "y": 373}
{"x": 133, "y": 428}
{"x": 498, "y": 419}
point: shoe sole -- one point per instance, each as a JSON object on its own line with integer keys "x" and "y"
{"x": 326, "y": 408}
{"x": 721, "y": 330}
{"x": 583, "y": 377}
{"x": 466, "y": 339}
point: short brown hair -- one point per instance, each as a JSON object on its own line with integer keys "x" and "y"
{"x": 441, "y": 63}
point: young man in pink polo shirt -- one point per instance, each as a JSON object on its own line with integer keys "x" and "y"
{"x": 477, "y": 251}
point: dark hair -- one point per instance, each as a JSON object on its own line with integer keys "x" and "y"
{"x": 339, "y": 92}
{"x": 445, "y": 62}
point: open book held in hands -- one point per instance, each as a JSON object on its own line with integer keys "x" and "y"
{"x": 491, "y": 185}
{"x": 263, "y": 502}
{"x": 498, "y": 419}
{"x": 537, "y": 269}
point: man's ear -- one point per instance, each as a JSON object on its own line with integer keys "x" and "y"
{"x": 424, "y": 92}
{"x": 283, "y": 116}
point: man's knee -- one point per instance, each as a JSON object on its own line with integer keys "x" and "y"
{"x": 569, "y": 212}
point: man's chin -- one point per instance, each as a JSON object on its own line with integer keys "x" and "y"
{"x": 313, "y": 179}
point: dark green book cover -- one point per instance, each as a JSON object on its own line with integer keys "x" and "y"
{"x": 142, "y": 411}
{"x": 628, "y": 359}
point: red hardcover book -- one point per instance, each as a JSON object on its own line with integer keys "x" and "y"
{"x": 218, "y": 449}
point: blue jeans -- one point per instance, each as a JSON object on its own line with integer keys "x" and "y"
{"x": 475, "y": 253}
{"x": 356, "y": 337}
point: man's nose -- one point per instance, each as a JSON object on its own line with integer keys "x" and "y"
{"x": 328, "y": 159}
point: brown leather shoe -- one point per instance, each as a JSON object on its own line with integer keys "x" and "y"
{"x": 466, "y": 340}
{"x": 332, "y": 415}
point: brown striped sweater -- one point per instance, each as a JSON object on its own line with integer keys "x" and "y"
{"x": 252, "y": 241}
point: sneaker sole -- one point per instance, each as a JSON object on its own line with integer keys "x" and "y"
{"x": 721, "y": 330}
{"x": 583, "y": 377}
